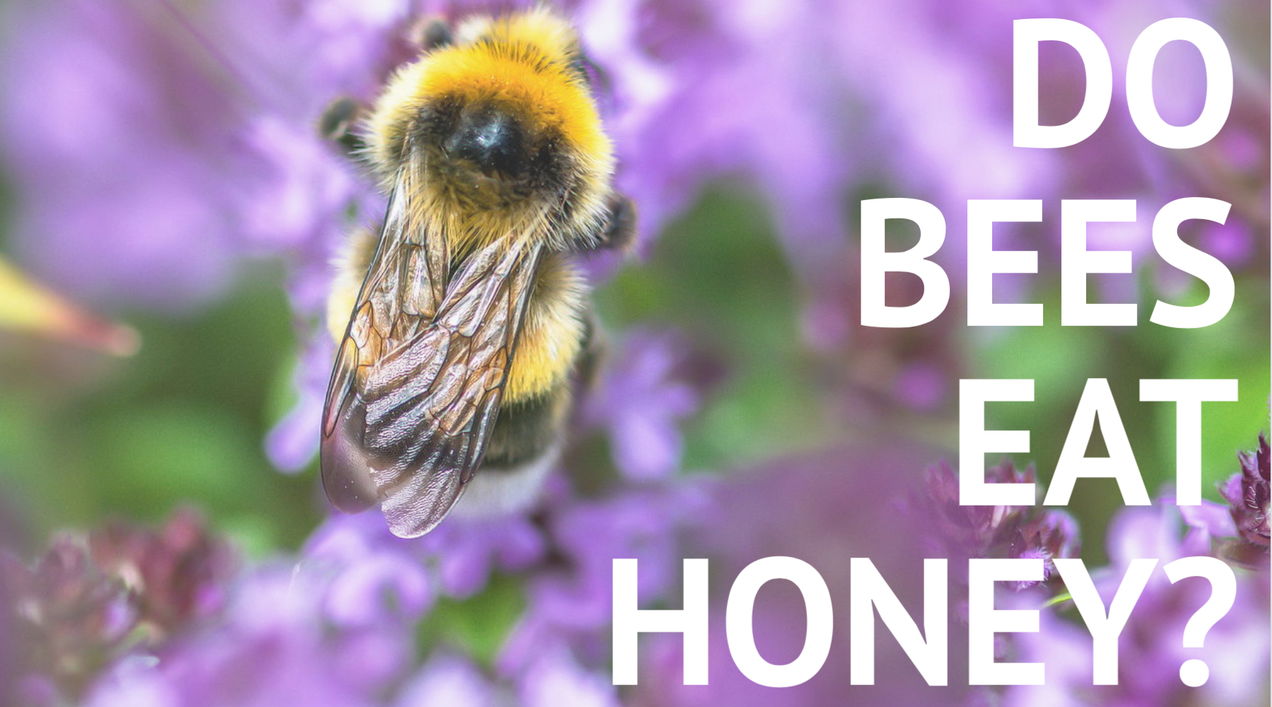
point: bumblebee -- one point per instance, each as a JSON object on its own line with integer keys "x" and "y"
{"x": 458, "y": 351}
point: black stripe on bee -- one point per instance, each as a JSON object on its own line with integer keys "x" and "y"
{"x": 525, "y": 429}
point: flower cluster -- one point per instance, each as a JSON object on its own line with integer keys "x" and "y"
{"x": 1249, "y": 496}
{"x": 658, "y": 379}
{"x": 68, "y": 620}
{"x": 1150, "y": 649}
{"x": 89, "y": 600}
{"x": 1150, "y": 645}
{"x": 952, "y": 529}
{"x": 271, "y": 645}
{"x": 338, "y": 624}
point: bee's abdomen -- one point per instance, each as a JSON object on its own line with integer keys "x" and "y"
{"x": 525, "y": 430}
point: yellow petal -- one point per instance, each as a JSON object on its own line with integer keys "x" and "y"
{"x": 28, "y": 307}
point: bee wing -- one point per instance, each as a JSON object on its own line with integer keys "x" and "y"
{"x": 420, "y": 374}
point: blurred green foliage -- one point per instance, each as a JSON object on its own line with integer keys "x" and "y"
{"x": 182, "y": 422}
{"x": 718, "y": 275}
{"x": 475, "y": 626}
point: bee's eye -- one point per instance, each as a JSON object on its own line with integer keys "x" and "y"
{"x": 489, "y": 138}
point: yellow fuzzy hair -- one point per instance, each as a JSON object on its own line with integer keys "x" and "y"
{"x": 552, "y": 333}
{"x": 521, "y": 61}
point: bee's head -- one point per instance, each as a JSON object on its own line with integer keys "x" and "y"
{"x": 502, "y": 121}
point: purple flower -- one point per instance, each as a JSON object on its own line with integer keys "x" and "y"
{"x": 1248, "y": 495}
{"x": 118, "y": 185}
{"x": 448, "y": 680}
{"x": 274, "y": 645}
{"x": 90, "y": 599}
{"x": 555, "y": 678}
{"x": 570, "y": 597}
{"x": 162, "y": 145}
{"x": 374, "y": 577}
{"x": 297, "y": 191}
{"x": 1206, "y": 522}
{"x": 887, "y": 369}
{"x": 951, "y": 529}
{"x": 69, "y": 618}
{"x": 657, "y": 380}
{"x": 940, "y": 103}
{"x": 468, "y": 550}
{"x": 177, "y": 573}
{"x": 457, "y": 559}
{"x": 293, "y": 441}
{"x": 1150, "y": 649}
{"x": 638, "y": 524}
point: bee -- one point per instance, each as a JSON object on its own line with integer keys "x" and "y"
{"x": 456, "y": 368}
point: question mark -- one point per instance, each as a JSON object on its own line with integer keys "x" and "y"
{"x": 1223, "y": 593}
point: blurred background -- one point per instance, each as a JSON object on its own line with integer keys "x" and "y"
{"x": 168, "y": 214}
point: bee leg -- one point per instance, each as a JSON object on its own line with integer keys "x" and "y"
{"x": 591, "y": 356}
{"x": 618, "y": 232}
{"x": 431, "y": 33}
{"x": 337, "y": 121}
{"x": 620, "y": 228}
